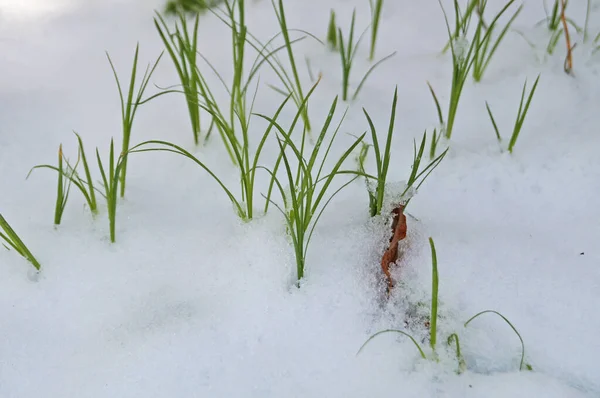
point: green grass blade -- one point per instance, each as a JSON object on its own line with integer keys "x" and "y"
{"x": 421, "y": 352}
{"x": 522, "y": 364}
{"x": 487, "y": 106}
{"x": 434, "y": 296}
{"x": 11, "y": 237}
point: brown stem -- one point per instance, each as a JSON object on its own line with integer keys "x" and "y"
{"x": 569, "y": 59}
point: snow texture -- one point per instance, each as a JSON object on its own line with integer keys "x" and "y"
{"x": 192, "y": 302}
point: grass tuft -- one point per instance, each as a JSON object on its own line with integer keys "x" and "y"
{"x": 85, "y": 186}
{"x": 521, "y": 114}
{"x": 348, "y": 49}
{"x": 110, "y": 183}
{"x": 182, "y": 47}
{"x": 483, "y": 52}
{"x": 305, "y": 202}
{"x": 129, "y": 106}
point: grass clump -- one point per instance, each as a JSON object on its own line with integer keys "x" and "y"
{"x": 130, "y": 104}
{"x": 305, "y": 201}
{"x": 85, "y": 184}
{"x": 475, "y": 54}
{"x": 485, "y": 47}
{"x": 182, "y": 47}
{"x": 521, "y": 114}
{"x": 110, "y": 183}
{"x": 462, "y": 62}
{"x": 10, "y": 237}
{"x": 65, "y": 178}
{"x": 382, "y": 161}
{"x": 453, "y": 340}
{"x": 348, "y": 49}
{"x": 248, "y": 162}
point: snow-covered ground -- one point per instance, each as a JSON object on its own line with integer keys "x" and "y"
{"x": 192, "y": 302}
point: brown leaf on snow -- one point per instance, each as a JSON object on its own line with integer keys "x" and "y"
{"x": 391, "y": 254}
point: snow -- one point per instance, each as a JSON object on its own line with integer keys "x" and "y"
{"x": 190, "y": 301}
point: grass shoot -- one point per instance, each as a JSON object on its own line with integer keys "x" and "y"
{"x": 10, "y": 237}
{"x": 248, "y": 163}
{"x": 521, "y": 114}
{"x": 348, "y": 49}
{"x": 110, "y": 182}
{"x": 462, "y": 365}
{"x": 382, "y": 160}
{"x": 85, "y": 185}
{"x": 63, "y": 188}
{"x": 130, "y": 104}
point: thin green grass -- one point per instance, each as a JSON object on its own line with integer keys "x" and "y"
{"x": 462, "y": 62}
{"x": 182, "y": 47}
{"x": 485, "y": 47}
{"x": 130, "y": 104}
{"x": 63, "y": 188}
{"x": 462, "y": 365}
{"x": 382, "y": 162}
{"x": 348, "y": 50}
{"x": 521, "y": 114}
{"x": 297, "y": 88}
{"x": 376, "y": 7}
{"x": 248, "y": 162}
{"x": 232, "y": 123}
{"x": 465, "y": 55}
{"x": 10, "y": 237}
{"x": 523, "y": 364}
{"x": 421, "y": 352}
{"x": 305, "y": 202}
{"x": 463, "y": 21}
{"x": 453, "y": 339}
{"x": 110, "y": 184}
{"x": 85, "y": 185}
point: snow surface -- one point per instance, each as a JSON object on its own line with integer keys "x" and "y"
{"x": 191, "y": 302}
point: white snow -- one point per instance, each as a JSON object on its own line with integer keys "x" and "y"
{"x": 192, "y": 302}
